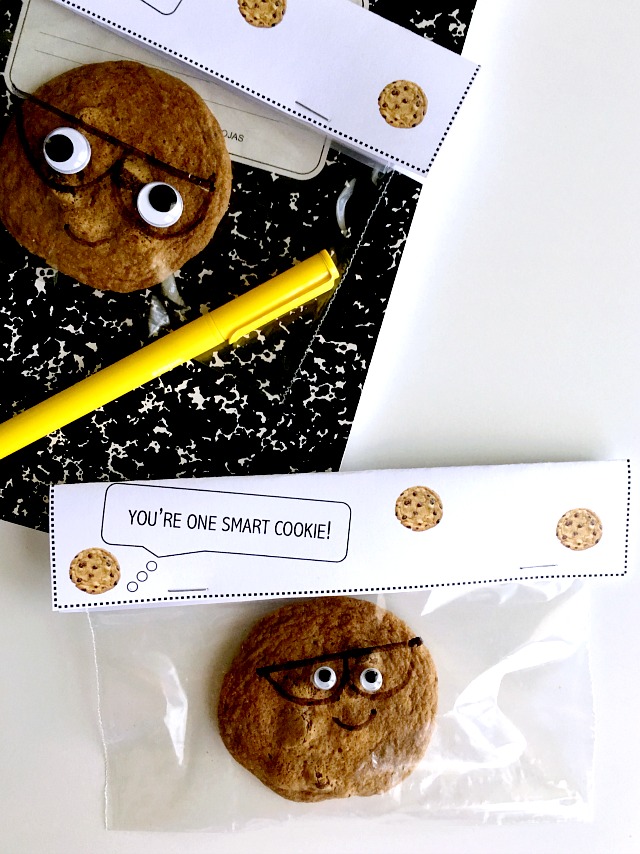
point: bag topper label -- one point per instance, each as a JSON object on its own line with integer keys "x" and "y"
{"x": 212, "y": 539}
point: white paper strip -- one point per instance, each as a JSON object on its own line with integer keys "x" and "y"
{"x": 325, "y": 64}
{"x": 216, "y": 539}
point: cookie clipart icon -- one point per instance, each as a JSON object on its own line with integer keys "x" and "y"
{"x": 94, "y": 570}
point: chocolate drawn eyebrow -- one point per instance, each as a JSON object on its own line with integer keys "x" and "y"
{"x": 355, "y": 652}
{"x": 206, "y": 183}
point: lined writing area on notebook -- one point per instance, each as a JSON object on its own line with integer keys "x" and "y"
{"x": 51, "y": 40}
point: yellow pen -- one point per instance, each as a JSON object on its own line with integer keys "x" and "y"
{"x": 303, "y": 283}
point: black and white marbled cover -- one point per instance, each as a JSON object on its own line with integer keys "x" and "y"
{"x": 283, "y": 401}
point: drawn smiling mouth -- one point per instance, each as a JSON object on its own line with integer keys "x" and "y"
{"x": 354, "y": 727}
{"x": 83, "y": 240}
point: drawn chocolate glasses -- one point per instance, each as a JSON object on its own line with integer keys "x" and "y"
{"x": 157, "y": 203}
{"x": 379, "y": 671}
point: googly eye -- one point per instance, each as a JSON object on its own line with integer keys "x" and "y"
{"x": 159, "y": 204}
{"x": 371, "y": 679}
{"x": 324, "y": 678}
{"x": 66, "y": 150}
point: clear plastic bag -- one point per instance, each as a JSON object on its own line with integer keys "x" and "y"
{"x": 513, "y": 737}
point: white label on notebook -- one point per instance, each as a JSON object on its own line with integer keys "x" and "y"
{"x": 325, "y": 64}
{"x": 214, "y": 539}
{"x": 50, "y": 40}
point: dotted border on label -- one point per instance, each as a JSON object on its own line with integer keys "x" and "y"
{"x": 327, "y": 128}
{"x": 348, "y": 590}
{"x": 52, "y": 549}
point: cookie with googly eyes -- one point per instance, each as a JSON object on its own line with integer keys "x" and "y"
{"x": 115, "y": 174}
{"x": 329, "y": 698}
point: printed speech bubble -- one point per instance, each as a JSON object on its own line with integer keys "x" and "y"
{"x": 171, "y": 520}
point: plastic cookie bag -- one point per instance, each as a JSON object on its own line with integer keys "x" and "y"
{"x": 512, "y": 738}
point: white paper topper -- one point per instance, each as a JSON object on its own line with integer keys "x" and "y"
{"x": 213, "y": 539}
{"x": 325, "y": 63}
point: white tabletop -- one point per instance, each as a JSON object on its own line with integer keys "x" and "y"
{"x": 513, "y": 335}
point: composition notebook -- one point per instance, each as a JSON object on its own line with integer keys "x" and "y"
{"x": 284, "y": 401}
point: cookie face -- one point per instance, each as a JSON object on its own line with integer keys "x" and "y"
{"x": 419, "y": 508}
{"x": 262, "y": 13}
{"x": 94, "y": 571}
{"x": 579, "y": 529}
{"x": 329, "y": 698}
{"x": 402, "y": 104}
{"x": 115, "y": 174}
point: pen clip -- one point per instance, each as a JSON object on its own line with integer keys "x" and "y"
{"x": 278, "y": 311}
{"x": 303, "y": 283}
